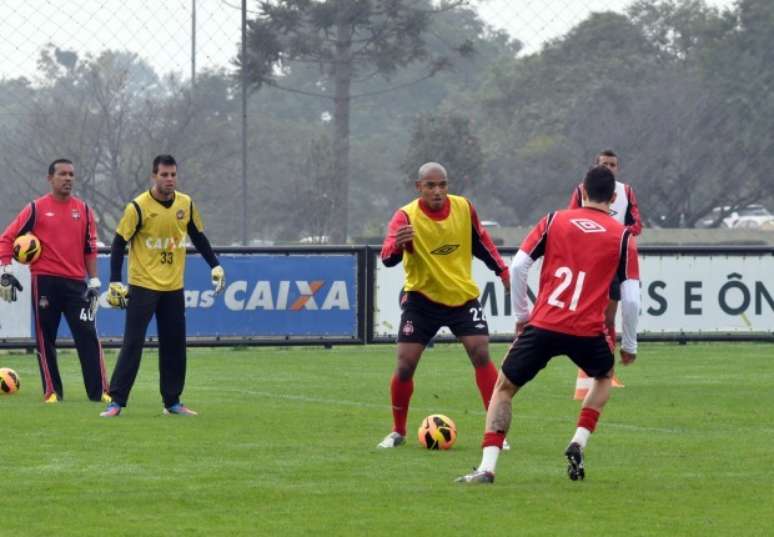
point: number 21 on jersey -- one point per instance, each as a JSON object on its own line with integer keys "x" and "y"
{"x": 567, "y": 277}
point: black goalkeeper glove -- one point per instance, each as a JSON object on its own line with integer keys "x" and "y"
{"x": 92, "y": 295}
{"x": 9, "y": 285}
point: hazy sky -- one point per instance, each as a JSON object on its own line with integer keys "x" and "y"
{"x": 160, "y": 30}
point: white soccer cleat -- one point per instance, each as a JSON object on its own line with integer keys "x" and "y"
{"x": 506, "y": 446}
{"x": 476, "y": 477}
{"x": 392, "y": 440}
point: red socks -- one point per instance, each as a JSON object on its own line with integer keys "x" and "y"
{"x": 400, "y": 391}
{"x": 588, "y": 418}
{"x": 493, "y": 439}
{"x": 486, "y": 378}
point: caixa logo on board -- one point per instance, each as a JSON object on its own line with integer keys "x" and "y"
{"x": 294, "y": 295}
{"x": 283, "y": 295}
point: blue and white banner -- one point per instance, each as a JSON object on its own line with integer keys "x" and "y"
{"x": 695, "y": 294}
{"x": 267, "y": 296}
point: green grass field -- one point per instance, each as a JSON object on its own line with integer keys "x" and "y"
{"x": 285, "y": 445}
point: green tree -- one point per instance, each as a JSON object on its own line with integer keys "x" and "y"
{"x": 111, "y": 113}
{"x": 447, "y": 139}
{"x": 349, "y": 42}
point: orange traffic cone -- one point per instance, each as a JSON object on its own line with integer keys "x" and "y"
{"x": 583, "y": 384}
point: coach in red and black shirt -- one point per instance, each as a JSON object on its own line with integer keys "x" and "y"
{"x": 64, "y": 225}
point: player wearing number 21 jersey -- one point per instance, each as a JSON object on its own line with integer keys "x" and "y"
{"x": 583, "y": 250}
{"x": 577, "y": 247}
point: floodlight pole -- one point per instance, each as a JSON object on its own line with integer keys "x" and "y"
{"x": 244, "y": 122}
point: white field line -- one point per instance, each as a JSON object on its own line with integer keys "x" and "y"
{"x": 362, "y": 404}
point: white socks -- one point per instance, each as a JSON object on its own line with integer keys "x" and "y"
{"x": 489, "y": 459}
{"x": 581, "y": 437}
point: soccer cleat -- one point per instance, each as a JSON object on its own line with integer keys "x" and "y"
{"x": 506, "y": 446}
{"x": 179, "y": 409}
{"x": 392, "y": 440}
{"x": 574, "y": 455}
{"x": 476, "y": 476}
{"x": 51, "y": 399}
{"x": 112, "y": 410}
{"x": 106, "y": 398}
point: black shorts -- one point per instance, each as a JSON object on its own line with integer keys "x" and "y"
{"x": 534, "y": 348}
{"x": 615, "y": 289}
{"x": 422, "y": 318}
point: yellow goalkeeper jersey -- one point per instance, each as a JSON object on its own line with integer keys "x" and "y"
{"x": 157, "y": 235}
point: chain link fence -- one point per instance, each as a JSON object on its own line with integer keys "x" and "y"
{"x": 543, "y": 85}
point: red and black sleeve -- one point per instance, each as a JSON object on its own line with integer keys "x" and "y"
{"x": 576, "y": 200}
{"x": 23, "y": 223}
{"x": 483, "y": 246}
{"x": 392, "y": 254}
{"x": 90, "y": 240}
{"x": 534, "y": 244}
{"x": 633, "y": 220}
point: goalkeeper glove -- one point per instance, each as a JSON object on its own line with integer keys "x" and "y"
{"x": 92, "y": 295}
{"x": 9, "y": 285}
{"x": 117, "y": 295}
{"x": 218, "y": 279}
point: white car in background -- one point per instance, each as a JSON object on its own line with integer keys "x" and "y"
{"x": 749, "y": 217}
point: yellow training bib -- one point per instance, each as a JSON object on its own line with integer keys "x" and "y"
{"x": 440, "y": 265}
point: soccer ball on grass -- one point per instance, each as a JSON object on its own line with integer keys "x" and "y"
{"x": 9, "y": 380}
{"x": 437, "y": 432}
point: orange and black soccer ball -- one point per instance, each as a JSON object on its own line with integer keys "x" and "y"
{"x": 437, "y": 432}
{"x": 26, "y": 249}
{"x": 9, "y": 381}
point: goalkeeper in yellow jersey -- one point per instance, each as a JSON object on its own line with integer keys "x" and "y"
{"x": 155, "y": 225}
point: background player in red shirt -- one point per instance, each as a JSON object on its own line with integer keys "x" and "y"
{"x": 436, "y": 237}
{"x": 64, "y": 224}
{"x": 583, "y": 250}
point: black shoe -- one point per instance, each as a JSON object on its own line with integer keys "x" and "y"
{"x": 574, "y": 455}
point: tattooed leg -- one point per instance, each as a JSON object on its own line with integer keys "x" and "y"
{"x": 498, "y": 417}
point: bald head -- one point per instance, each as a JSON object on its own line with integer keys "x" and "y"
{"x": 431, "y": 168}
{"x": 432, "y": 185}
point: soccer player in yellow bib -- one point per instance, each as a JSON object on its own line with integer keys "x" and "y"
{"x": 436, "y": 237}
{"x": 155, "y": 225}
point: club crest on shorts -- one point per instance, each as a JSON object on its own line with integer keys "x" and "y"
{"x": 408, "y": 328}
{"x": 588, "y": 226}
{"x": 43, "y": 302}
